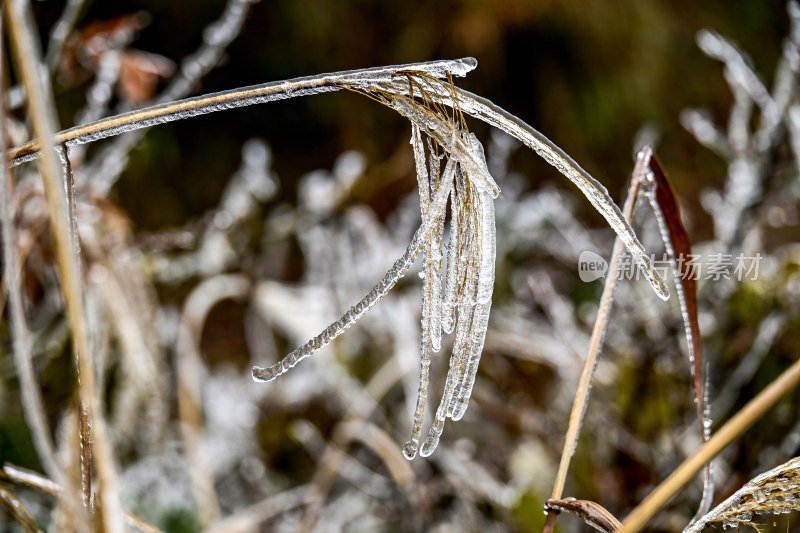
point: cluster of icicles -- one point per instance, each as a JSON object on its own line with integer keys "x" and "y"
{"x": 458, "y": 278}
{"x": 459, "y": 296}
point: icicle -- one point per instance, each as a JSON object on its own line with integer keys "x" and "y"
{"x": 480, "y": 323}
{"x": 455, "y": 372}
{"x": 488, "y": 245}
{"x": 435, "y": 261}
{"x": 430, "y": 310}
{"x": 422, "y": 171}
{"x": 477, "y": 168}
{"x": 451, "y": 272}
{"x": 397, "y": 271}
{"x": 470, "y": 263}
{"x": 480, "y": 320}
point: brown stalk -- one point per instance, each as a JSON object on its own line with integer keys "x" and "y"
{"x": 596, "y": 340}
{"x": 42, "y": 113}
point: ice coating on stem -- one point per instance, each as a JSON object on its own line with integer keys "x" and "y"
{"x": 483, "y": 297}
{"x": 480, "y": 324}
{"x": 440, "y": 69}
{"x": 448, "y": 309}
{"x": 430, "y": 308}
{"x": 487, "y": 232}
{"x": 434, "y": 261}
{"x": 364, "y": 79}
{"x": 457, "y": 360}
{"x": 422, "y": 170}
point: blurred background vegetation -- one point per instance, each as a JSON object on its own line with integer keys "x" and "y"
{"x": 589, "y": 75}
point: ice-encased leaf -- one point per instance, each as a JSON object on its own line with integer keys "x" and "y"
{"x": 431, "y": 306}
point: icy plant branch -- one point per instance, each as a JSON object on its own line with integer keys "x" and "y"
{"x": 457, "y": 298}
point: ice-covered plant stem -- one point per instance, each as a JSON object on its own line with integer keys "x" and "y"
{"x": 456, "y": 297}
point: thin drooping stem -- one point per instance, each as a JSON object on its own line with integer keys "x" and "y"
{"x": 23, "y": 343}
{"x": 732, "y": 430}
{"x": 42, "y": 113}
{"x": 596, "y": 341}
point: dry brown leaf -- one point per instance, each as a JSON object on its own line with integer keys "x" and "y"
{"x": 592, "y": 513}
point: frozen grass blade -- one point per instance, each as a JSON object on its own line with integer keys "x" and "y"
{"x": 257, "y": 94}
{"x": 410, "y": 448}
{"x": 484, "y": 282}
